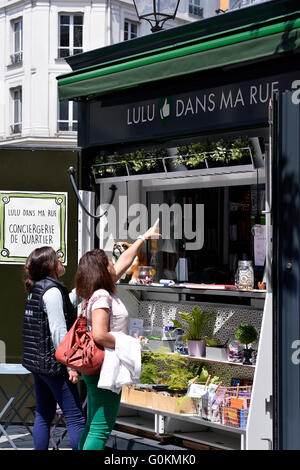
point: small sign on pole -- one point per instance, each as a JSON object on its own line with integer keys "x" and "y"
{"x": 30, "y": 220}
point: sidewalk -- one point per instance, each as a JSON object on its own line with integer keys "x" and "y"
{"x": 118, "y": 440}
{"x": 23, "y": 439}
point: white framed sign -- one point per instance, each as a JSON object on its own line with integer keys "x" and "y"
{"x": 30, "y": 220}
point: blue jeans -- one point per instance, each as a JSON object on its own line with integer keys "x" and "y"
{"x": 49, "y": 391}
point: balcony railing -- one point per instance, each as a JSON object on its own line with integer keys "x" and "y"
{"x": 16, "y": 57}
{"x": 16, "y": 128}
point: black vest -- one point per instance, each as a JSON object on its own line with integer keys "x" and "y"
{"x": 38, "y": 349}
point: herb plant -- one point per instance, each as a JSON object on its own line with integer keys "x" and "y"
{"x": 195, "y": 323}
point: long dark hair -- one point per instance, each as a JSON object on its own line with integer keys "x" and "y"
{"x": 92, "y": 274}
{"x": 41, "y": 262}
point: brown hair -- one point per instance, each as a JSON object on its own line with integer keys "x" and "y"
{"x": 41, "y": 262}
{"x": 92, "y": 274}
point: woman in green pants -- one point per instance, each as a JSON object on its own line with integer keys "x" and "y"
{"x": 95, "y": 280}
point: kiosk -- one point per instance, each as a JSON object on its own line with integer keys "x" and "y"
{"x": 205, "y": 118}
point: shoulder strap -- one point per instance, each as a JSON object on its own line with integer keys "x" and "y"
{"x": 84, "y": 308}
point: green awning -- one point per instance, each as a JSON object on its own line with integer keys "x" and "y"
{"x": 246, "y": 46}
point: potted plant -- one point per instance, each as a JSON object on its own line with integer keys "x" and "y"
{"x": 195, "y": 323}
{"x": 198, "y": 153}
{"x": 240, "y": 151}
{"x": 102, "y": 168}
{"x": 192, "y": 156}
{"x": 246, "y": 334}
{"x": 176, "y": 159}
{"x": 107, "y": 166}
{"x": 218, "y": 155}
{"x": 178, "y": 374}
{"x": 214, "y": 350}
{"x": 146, "y": 161}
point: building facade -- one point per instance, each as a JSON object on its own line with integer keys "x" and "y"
{"x": 35, "y": 36}
{"x": 234, "y": 4}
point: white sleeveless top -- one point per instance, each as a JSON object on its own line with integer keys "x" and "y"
{"x": 118, "y": 312}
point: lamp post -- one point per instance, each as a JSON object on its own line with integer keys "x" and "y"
{"x": 156, "y": 12}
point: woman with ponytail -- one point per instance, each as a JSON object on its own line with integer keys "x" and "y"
{"x": 49, "y": 314}
{"x": 106, "y": 316}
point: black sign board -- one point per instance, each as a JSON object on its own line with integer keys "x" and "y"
{"x": 237, "y": 104}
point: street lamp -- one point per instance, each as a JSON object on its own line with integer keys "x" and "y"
{"x": 156, "y": 12}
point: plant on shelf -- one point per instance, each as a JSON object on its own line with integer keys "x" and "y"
{"x": 219, "y": 151}
{"x": 198, "y": 153}
{"x": 211, "y": 341}
{"x": 192, "y": 155}
{"x": 195, "y": 323}
{"x": 241, "y": 149}
{"x": 171, "y": 371}
{"x": 149, "y": 373}
{"x": 204, "y": 375}
{"x": 103, "y": 166}
{"x": 109, "y": 165}
{"x": 146, "y": 160}
{"x": 178, "y": 372}
{"x": 182, "y": 154}
{"x": 246, "y": 334}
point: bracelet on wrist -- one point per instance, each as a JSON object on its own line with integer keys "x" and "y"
{"x": 141, "y": 237}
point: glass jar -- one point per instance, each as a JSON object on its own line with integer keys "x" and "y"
{"x": 145, "y": 275}
{"x": 234, "y": 351}
{"x": 244, "y": 278}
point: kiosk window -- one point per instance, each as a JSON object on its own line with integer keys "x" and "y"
{"x": 210, "y": 227}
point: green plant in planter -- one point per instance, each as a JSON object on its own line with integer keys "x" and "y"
{"x": 211, "y": 341}
{"x": 220, "y": 151}
{"x": 240, "y": 148}
{"x": 178, "y": 372}
{"x": 192, "y": 155}
{"x": 149, "y": 374}
{"x": 195, "y": 323}
{"x": 103, "y": 169}
{"x": 182, "y": 154}
{"x": 145, "y": 159}
{"x": 246, "y": 334}
{"x": 198, "y": 152}
{"x": 202, "y": 379}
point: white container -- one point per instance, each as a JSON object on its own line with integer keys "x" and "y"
{"x": 156, "y": 344}
{"x": 216, "y": 353}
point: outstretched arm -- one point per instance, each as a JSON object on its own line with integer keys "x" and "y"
{"x": 126, "y": 258}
